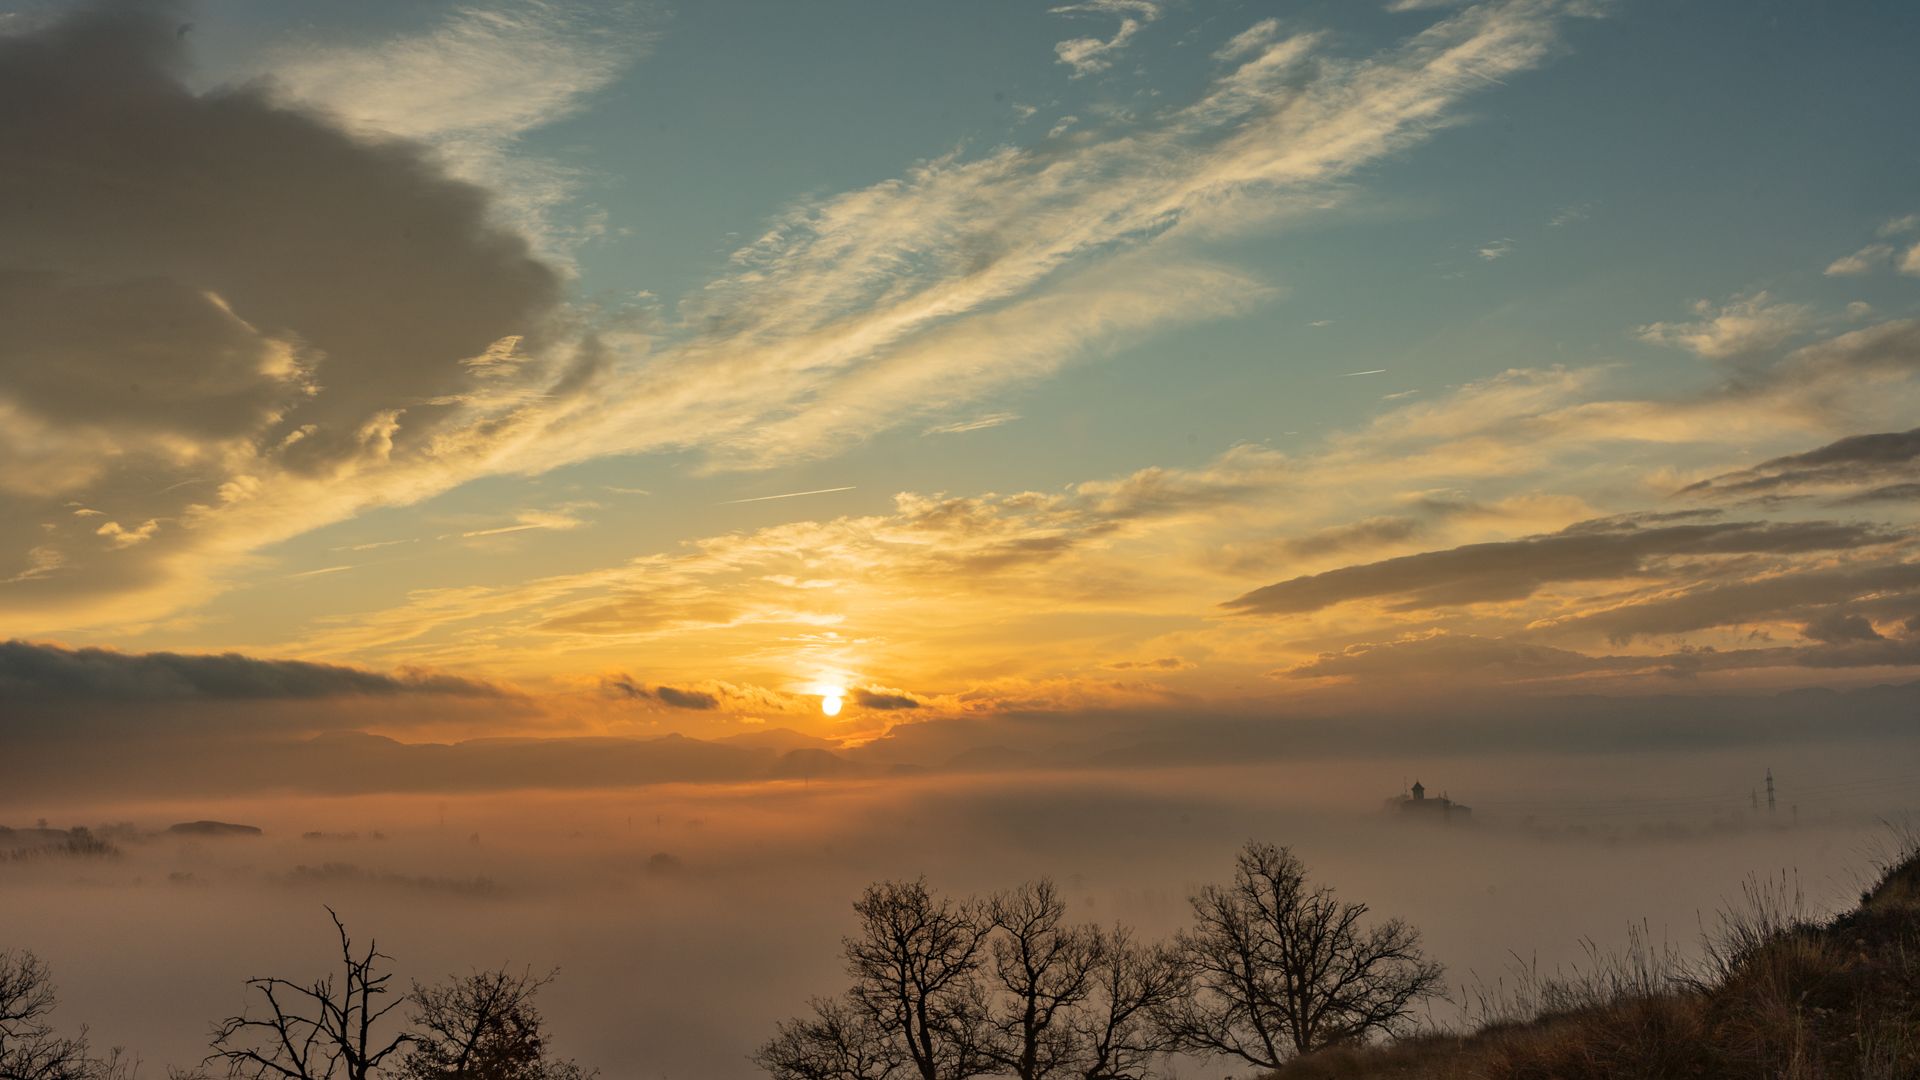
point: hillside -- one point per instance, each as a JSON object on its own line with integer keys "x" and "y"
{"x": 1777, "y": 995}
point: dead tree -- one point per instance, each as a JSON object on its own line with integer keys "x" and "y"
{"x": 483, "y": 1026}
{"x": 315, "y": 1031}
{"x": 1279, "y": 968}
{"x": 1042, "y": 973}
{"x": 1120, "y": 1029}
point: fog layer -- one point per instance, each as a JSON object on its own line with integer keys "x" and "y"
{"x": 687, "y": 919}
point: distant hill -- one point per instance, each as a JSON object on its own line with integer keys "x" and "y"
{"x": 811, "y": 763}
{"x": 996, "y": 758}
{"x": 779, "y": 740}
{"x": 213, "y": 829}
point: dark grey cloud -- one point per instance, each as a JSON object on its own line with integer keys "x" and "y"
{"x": 204, "y": 287}
{"x": 1838, "y": 627}
{"x": 1515, "y": 569}
{"x": 685, "y": 699}
{"x": 1485, "y": 662}
{"x": 1889, "y": 348}
{"x": 1264, "y": 556}
{"x": 87, "y": 352}
{"x": 1849, "y": 462}
{"x": 1906, "y": 492}
{"x": 1457, "y": 656}
{"x": 129, "y": 198}
{"x": 1164, "y": 663}
{"x": 31, "y": 672}
{"x": 1359, "y": 534}
{"x": 1790, "y": 594}
{"x": 1884, "y": 448}
{"x": 620, "y": 686}
{"x": 1878, "y": 652}
{"x": 868, "y": 699}
{"x": 624, "y": 686}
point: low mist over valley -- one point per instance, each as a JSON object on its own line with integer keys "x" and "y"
{"x": 686, "y": 919}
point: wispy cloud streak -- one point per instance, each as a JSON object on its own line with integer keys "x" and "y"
{"x": 846, "y": 315}
{"x": 787, "y": 495}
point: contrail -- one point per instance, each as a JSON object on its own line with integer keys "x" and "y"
{"x": 1351, "y": 374}
{"x": 788, "y": 495}
{"x": 184, "y": 483}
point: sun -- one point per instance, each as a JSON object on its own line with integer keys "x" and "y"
{"x": 831, "y": 689}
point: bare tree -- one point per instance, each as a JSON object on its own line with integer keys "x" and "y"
{"x": 1120, "y": 1028}
{"x": 315, "y": 1031}
{"x": 483, "y": 1026}
{"x": 1043, "y": 972}
{"x": 1279, "y": 968}
{"x": 915, "y": 966}
{"x": 838, "y": 1042}
{"x": 916, "y": 1007}
{"x": 29, "y": 1049}
{"x": 948, "y": 991}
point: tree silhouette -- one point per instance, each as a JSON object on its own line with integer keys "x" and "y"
{"x": 483, "y": 1026}
{"x": 1042, "y": 972}
{"x": 1120, "y": 1029}
{"x": 1279, "y": 968}
{"x": 29, "y": 1048}
{"x": 838, "y": 1042}
{"x": 916, "y": 1006}
{"x": 913, "y": 965}
{"x": 317, "y": 1030}
{"x": 946, "y": 991}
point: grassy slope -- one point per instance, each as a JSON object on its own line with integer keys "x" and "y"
{"x": 1778, "y": 997}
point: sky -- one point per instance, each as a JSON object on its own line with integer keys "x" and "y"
{"x": 598, "y": 482}
{"x": 962, "y": 377}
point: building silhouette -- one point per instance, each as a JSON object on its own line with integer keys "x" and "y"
{"x": 1416, "y": 806}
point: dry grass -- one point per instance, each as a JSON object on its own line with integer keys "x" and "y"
{"x": 1778, "y": 995}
